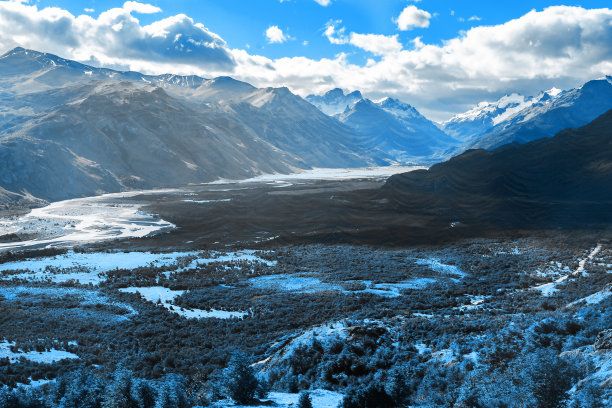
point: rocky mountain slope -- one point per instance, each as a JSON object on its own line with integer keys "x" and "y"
{"x": 516, "y": 119}
{"x": 389, "y": 125}
{"x": 564, "y": 180}
{"x": 71, "y": 130}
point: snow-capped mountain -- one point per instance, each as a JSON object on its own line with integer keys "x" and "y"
{"x": 71, "y": 130}
{"x": 389, "y": 125}
{"x": 516, "y": 119}
{"x": 335, "y": 101}
{"x": 562, "y": 180}
{"x": 486, "y": 115}
{"x": 397, "y": 128}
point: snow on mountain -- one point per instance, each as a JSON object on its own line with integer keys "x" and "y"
{"x": 335, "y": 101}
{"x": 71, "y": 130}
{"x": 486, "y": 115}
{"x": 547, "y": 114}
{"x": 390, "y": 125}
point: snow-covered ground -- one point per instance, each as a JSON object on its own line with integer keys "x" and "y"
{"x": 309, "y": 284}
{"x": 166, "y": 297}
{"x": 88, "y": 268}
{"x": 289, "y": 283}
{"x": 330, "y": 174}
{"x": 596, "y": 297}
{"x": 45, "y": 357}
{"x": 85, "y": 296}
{"x": 320, "y": 399}
{"x": 436, "y": 265}
{"x": 82, "y": 220}
{"x": 548, "y": 289}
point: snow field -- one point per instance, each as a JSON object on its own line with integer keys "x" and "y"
{"x": 43, "y": 357}
{"x": 166, "y": 297}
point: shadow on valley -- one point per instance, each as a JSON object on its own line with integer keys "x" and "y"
{"x": 555, "y": 183}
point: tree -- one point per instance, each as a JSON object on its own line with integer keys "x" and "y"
{"x": 119, "y": 393}
{"x": 172, "y": 393}
{"x": 240, "y": 381}
{"x": 84, "y": 391}
{"x": 551, "y": 378}
{"x": 372, "y": 396}
{"x": 304, "y": 401}
{"x": 143, "y": 394}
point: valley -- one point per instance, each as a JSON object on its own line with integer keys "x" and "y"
{"x": 328, "y": 301}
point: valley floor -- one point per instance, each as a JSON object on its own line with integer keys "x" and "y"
{"x": 457, "y": 318}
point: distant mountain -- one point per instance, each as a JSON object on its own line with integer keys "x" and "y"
{"x": 71, "y": 130}
{"x": 388, "y": 125}
{"x": 478, "y": 120}
{"x": 515, "y": 119}
{"x": 564, "y": 180}
{"x": 335, "y": 101}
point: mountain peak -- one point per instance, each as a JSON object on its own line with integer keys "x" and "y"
{"x": 334, "y": 93}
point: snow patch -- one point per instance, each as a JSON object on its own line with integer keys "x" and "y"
{"x": 165, "y": 296}
{"x": 548, "y": 289}
{"x": 42, "y": 357}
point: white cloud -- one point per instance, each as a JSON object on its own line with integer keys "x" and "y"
{"x": 559, "y": 46}
{"x": 376, "y": 43}
{"x": 275, "y": 35}
{"x": 335, "y": 35}
{"x": 474, "y": 18}
{"x": 412, "y": 17}
{"x": 115, "y": 38}
{"x": 324, "y": 3}
{"x": 134, "y": 6}
{"x": 89, "y": 10}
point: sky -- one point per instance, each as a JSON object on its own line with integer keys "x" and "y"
{"x": 441, "y": 56}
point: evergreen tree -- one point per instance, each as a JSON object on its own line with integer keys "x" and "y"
{"x": 119, "y": 393}
{"x": 305, "y": 401}
{"x": 240, "y": 381}
{"x": 83, "y": 391}
{"x": 143, "y": 394}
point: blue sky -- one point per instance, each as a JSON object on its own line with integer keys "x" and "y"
{"x": 441, "y": 56}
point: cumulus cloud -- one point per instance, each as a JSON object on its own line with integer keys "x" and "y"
{"x": 324, "y": 3}
{"x": 275, "y": 35}
{"x": 334, "y": 34}
{"x": 115, "y": 37}
{"x": 142, "y": 8}
{"x": 559, "y": 46}
{"x": 412, "y": 17}
{"x": 376, "y": 43}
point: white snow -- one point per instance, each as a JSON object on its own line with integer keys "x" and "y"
{"x": 92, "y": 219}
{"x": 90, "y": 267}
{"x": 166, "y": 296}
{"x": 596, "y": 297}
{"x": 437, "y": 266}
{"x": 308, "y": 284}
{"x": 44, "y": 357}
{"x": 330, "y": 174}
{"x": 548, "y": 289}
{"x": 392, "y": 290}
{"x": 320, "y": 399}
{"x": 206, "y": 201}
{"x": 85, "y": 296}
{"x": 301, "y": 284}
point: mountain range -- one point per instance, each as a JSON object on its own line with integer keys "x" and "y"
{"x": 90, "y": 130}
{"x": 549, "y": 182}
{"x": 516, "y": 119}
{"x": 70, "y": 130}
{"x": 389, "y": 125}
